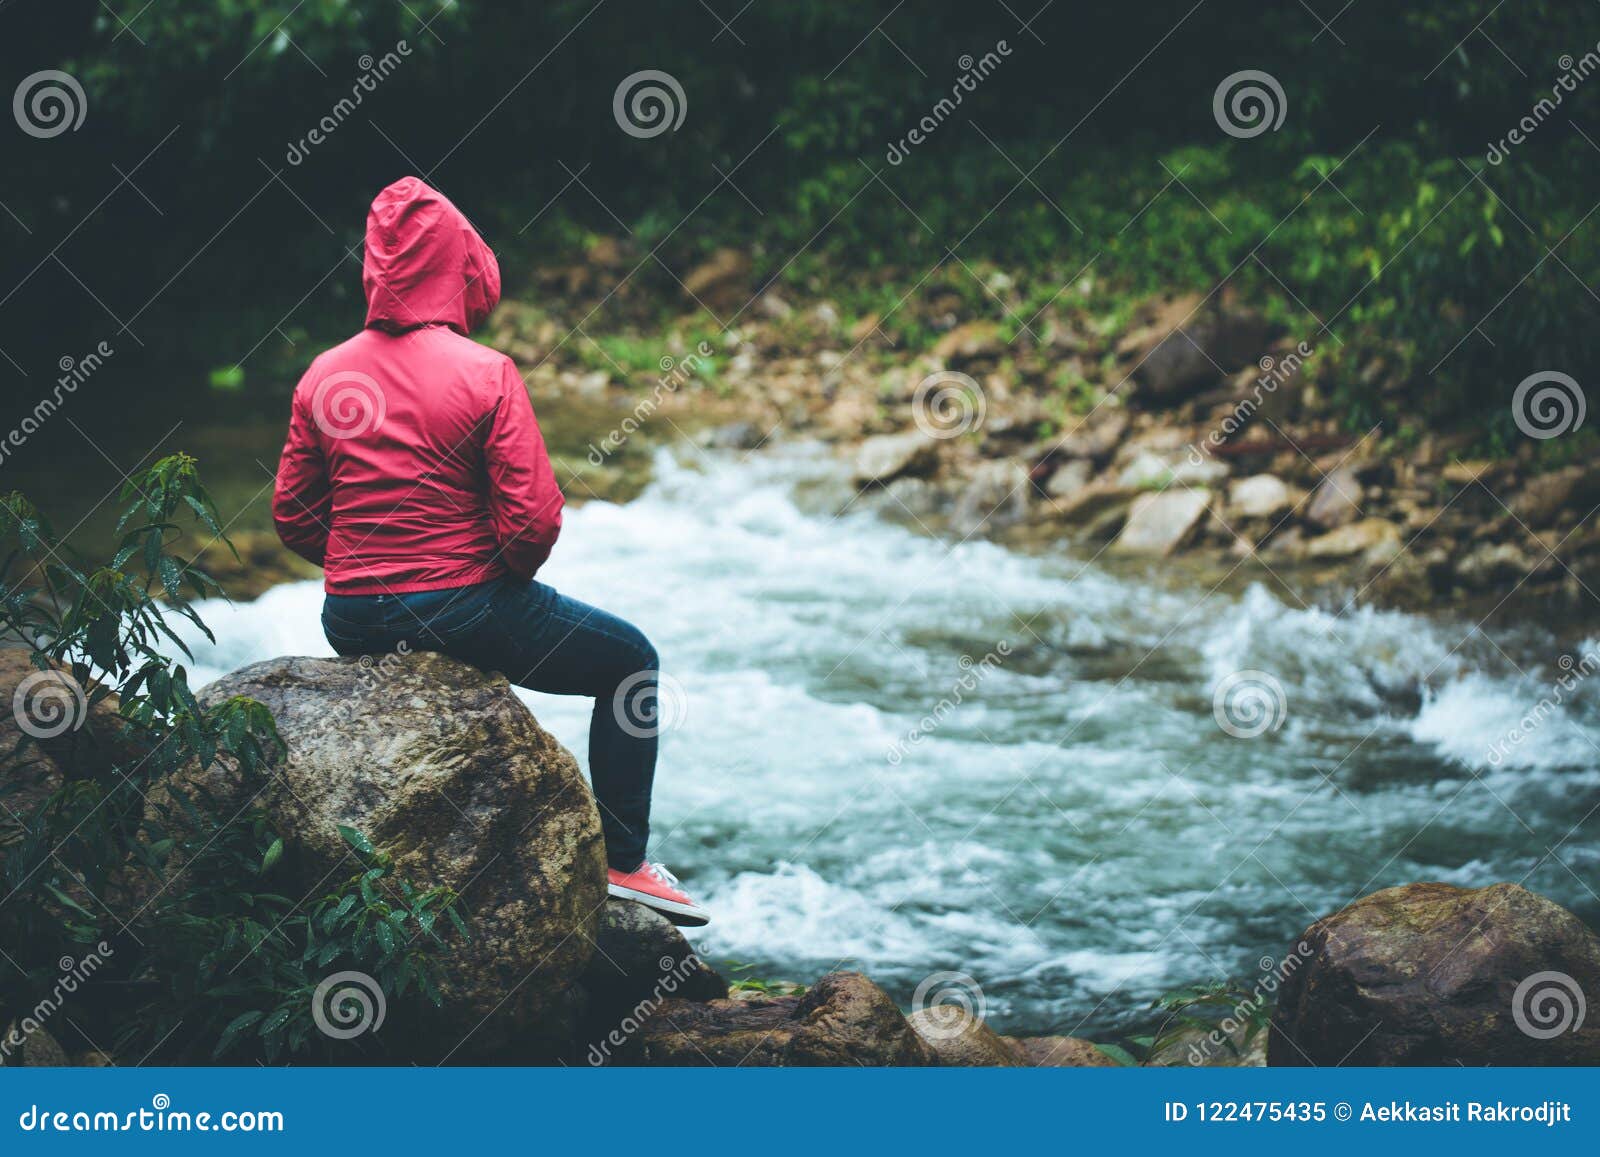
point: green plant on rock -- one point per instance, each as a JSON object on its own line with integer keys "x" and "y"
{"x": 173, "y": 893}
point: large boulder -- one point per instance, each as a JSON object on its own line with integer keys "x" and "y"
{"x": 640, "y": 960}
{"x": 958, "y": 1039}
{"x": 444, "y": 769}
{"x": 1058, "y": 1052}
{"x": 1432, "y": 974}
{"x": 52, "y": 730}
{"x": 843, "y": 1019}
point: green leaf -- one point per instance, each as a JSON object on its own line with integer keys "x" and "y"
{"x": 235, "y": 1027}
{"x": 274, "y": 854}
{"x": 1121, "y": 1055}
{"x": 356, "y": 840}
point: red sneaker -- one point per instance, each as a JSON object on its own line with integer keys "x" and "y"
{"x": 655, "y": 887}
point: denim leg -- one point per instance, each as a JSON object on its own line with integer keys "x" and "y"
{"x": 546, "y": 642}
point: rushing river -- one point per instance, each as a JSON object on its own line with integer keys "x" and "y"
{"x": 1073, "y": 828}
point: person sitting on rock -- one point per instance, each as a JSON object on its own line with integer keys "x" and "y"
{"x": 415, "y": 474}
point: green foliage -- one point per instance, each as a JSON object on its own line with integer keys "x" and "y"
{"x": 134, "y": 851}
{"x": 1215, "y": 1015}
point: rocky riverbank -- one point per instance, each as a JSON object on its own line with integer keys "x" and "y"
{"x": 452, "y": 778}
{"x": 1182, "y": 426}
{"x": 1151, "y": 431}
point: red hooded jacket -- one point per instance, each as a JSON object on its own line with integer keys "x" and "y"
{"x": 414, "y": 461}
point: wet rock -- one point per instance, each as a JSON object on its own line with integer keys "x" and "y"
{"x": 640, "y": 961}
{"x": 443, "y": 768}
{"x": 1432, "y": 974}
{"x": 995, "y": 497}
{"x": 890, "y": 456}
{"x": 1160, "y": 523}
{"x": 1260, "y": 496}
{"x": 1376, "y": 540}
{"x": 843, "y": 1019}
{"x": 638, "y": 952}
{"x": 1336, "y": 500}
{"x": 960, "y": 1040}
{"x": 1059, "y": 1052}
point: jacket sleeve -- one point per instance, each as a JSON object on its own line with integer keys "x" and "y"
{"x": 302, "y": 502}
{"x": 524, "y": 500}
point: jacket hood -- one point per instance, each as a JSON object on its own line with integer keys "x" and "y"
{"x": 425, "y": 264}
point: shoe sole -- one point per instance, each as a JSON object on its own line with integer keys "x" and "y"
{"x": 683, "y": 915}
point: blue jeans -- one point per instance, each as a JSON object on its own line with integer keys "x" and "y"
{"x": 543, "y": 641}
